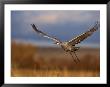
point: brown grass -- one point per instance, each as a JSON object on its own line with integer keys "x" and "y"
{"x": 54, "y": 73}
{"x": 28, "y": 60}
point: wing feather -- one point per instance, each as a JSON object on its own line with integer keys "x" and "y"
{"x": 44, "y": 34}
{"x": 83, "y": 36}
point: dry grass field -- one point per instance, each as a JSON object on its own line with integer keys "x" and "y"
{"x": 32, "y": 61}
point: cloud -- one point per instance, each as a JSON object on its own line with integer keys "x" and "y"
{"x": 53, "y": 22}
{"x": 50, "y": 17}
{"x": 47, "y": 18}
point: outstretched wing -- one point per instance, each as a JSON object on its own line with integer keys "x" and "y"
{"x": 83, "y": 36}
{"x": 44, "y": 34}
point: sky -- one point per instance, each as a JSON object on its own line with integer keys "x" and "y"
{"x": 62, "y": 24}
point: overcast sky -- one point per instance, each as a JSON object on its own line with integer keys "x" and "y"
{"x": 63, "y": 24}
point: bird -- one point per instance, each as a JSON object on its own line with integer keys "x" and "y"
{"x": 70, "y": 46}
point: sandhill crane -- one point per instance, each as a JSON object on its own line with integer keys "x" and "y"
{"x": 69, "y": 46}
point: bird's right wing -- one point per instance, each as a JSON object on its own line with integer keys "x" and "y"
{"x": 83, "y": 36}
{"x": 44, "y": 34}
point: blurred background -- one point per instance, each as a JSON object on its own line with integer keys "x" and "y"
{"x": 34, "y": 55}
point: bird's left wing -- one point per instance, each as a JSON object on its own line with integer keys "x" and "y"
{"x": 44, "y": 34}
{"x": 83, "y": 36}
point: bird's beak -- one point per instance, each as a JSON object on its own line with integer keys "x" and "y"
{"x": 56, "y": 43}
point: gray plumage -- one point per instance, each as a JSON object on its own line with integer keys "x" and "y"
{"x": 69, "y": 46}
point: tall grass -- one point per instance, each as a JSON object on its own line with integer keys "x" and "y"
{"x": 28, "y": 60}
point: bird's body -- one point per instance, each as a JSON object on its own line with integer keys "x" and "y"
{"x": 66, "y": 46}
{"x": 69, "y": 46}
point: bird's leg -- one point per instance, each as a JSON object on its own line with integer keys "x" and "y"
{"x": 76, "y": 56}
{"x": 73, "y": 57}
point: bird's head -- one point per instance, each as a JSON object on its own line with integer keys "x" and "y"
{"x": 57, "y": 43}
